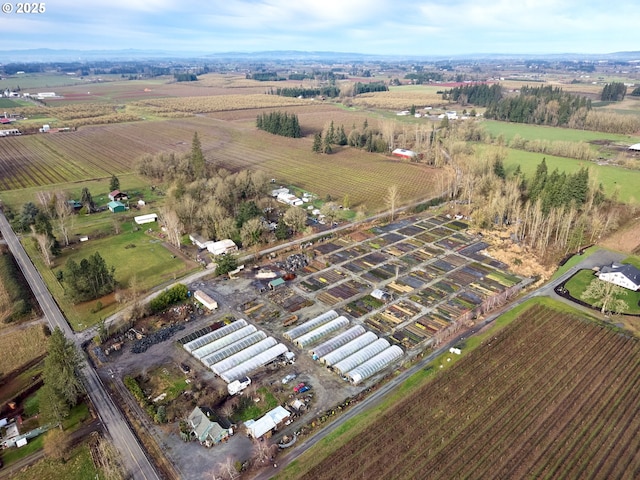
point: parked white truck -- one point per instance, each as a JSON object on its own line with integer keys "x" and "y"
{"x": 238, "y": 385}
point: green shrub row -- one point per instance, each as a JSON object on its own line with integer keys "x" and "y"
{"x": 18, "y": 295}
{"x": 175, "y": 294}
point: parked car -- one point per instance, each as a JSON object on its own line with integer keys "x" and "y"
{"x": 306, "y": 388}
{"x": 288, "y": 378}
{"x": 298, "y": 387}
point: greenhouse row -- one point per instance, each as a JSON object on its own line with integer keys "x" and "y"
{"x": 254, "y": 363}
{"x": 310, "y": 325}
{"x": 352, "y": 361}
{"x": 211, "y": 347}
{"x": 235, "y": 347}
{"x": 322, "y": 331}
{"x": 337, "y": 341}
{"x": 235, "y": 350}
{"x": 375, "y": 364}
{"x": 215, "y": 335}
{"x": 243, "y": 355}
{"x": 350, "y": 348}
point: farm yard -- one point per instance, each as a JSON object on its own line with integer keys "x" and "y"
{"x": 550, "y": 395}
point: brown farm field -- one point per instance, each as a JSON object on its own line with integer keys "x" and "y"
{"x": 549, "y": 396}
{"x": 230, "y": 140}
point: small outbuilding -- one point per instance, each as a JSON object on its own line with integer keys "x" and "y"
{"x": 266, "y": 425}
{"x": 149, "y": 218}
{"x": 406, "y": 154}
{"x": 635, "y": 147}
{"x": 116, "y": 207}
{"x": 222, "y": 247}
{"x": 208, "y": 302}
{"x": 118, "y": 196}
{"x": 199, "y": 241}
{"x": 276, "y": 282}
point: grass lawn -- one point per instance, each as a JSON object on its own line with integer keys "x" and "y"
{"x": 574, "y": 261}
{"x": 131, "y": 253}
{"x": 581, "y": 280}
{"x": 78, "y": 467}
{"x": 541, "y": 132}
{"x": 252, "y": 410}
{"x": 351, "y": 428}
{"x": 610, "y": 177}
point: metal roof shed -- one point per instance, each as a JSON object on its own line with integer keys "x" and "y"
{"x": 361, "y": 356}
{"x": 337, "y": 341}
{"x": 243, "y": 355}
{"x": 322, "y": 331}
{"x": 306, "y": 327}
{"x": 235, "y": 347}
{"x": 350, "y": 348}
{"x": 216, "y": 334}
{"x": 375, "y": 364}
{"x": 254, "y": 363}
{"x": 211, "y": 347}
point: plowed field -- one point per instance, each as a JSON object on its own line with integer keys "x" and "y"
{"x": 550, "y": 396}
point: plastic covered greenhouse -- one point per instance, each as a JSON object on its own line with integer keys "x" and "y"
{"x": 361, "y": 356}
{"x": 211, "y": 347}
{"x": 337, "y": 341}
{"x": 321, "y": 332}
{"x": 243, "y": 355}
{"x": 235, "y": 347}
{"x": 350, "y": 348}
{"x": 306, "y": 327}
{"x": 215, "y": 335}
{"x": 375, "y": 364}
{"x": 254, "y": 363}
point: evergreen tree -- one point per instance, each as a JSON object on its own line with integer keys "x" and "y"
{"x": 317, "y": 142}
{"x": 197, "y": 157}
{"x": 90, "y": 279}
{"x": 331, "y": 134}
{"x": 114, "y": 184}
{"x": 537, "y": 184}
{"x": 326, "y": 145}
{"x": 282, "y": 231}
{"x": 87, "y": 200}
{"x": 498, "y": 169}
{"x": 342, "y": 136}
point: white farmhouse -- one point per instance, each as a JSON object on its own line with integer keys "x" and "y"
{"x": 621, "y": 274}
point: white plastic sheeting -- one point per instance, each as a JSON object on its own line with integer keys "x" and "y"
{"x": 321, "y": 332}
{"x": 235, "y": 347}
{"x": 254, "y": 363}
{"x": 215, "y": 335}
{"x": 350, "y": 348}
{"x": 375, "y": 364}
{"x": 211, "y": 347}
{"x": 337, "y": 341}
{"x": 243, "y": 355}
{"x": 306, "y": 327}
{"x": 361, "y": 356}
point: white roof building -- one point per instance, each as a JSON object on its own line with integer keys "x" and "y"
{"x": 623, "y": 275}
{"x": 222, "y": 247}
{"x": 269, "y": 422}
{"x": 205, "y": 300}
{"x": 149, "y": 218}
{"x": 635, "y": 147}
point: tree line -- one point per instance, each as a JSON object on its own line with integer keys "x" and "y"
{"x": 360, "y": 87}
{"x": 482, "y": 95}
{"x": 613, "y": 92}
{"x": 89, "y": 279}
{"x": 279, "y": 123}
{"x": 330, "y": 91}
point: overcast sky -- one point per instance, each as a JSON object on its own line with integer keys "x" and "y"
{"x": 395, "y": 27}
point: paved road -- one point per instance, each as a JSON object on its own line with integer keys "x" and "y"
{"x": 132, "y": 454}
{"x": 601, "y": 257}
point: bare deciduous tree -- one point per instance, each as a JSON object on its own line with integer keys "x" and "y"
{"x": 44, "y": 244}
{"x": 295, "y": 218}
{"x": 173, "y": 225}
{"x": 391, "y": 200}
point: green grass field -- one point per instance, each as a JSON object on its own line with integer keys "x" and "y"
{"x": 540, "y": 132}
{"x": 611, "y": 177}
{"x": 78, "y": 467}
{"x": 10, "y": 103}
{"x": 149, "y": 261}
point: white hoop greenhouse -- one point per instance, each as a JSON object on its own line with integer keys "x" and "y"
{"x": 306, "y": 327}
{"x": 211, "y": 347}
{"x": 361, "y": 356}
{"x": 235, "y": 347}
{"x": 350, "y": 348}
{"x": 337, "y": 341}
{"x": 375, "y": 364}
{"x": 254, "y": 363}
{"x": 215, "y": 335}
{"x": 321, "y": 332}
{"x": 243, "y": 355}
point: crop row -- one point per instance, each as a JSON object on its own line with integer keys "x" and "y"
{"x": 550, "y": 395}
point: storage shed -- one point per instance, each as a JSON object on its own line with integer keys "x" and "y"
{"x": 265, "y": 425}
{"x": 208, "y": 302}
{"x": 211, "y": 347}
{"x": 635, "y": 147}
{"x": 361, "y": 356}
{"x": 337, "y": 341}
{"x": 221, "y": 247}
{"x": 322, "y": 331}
{"x": 350, "y": 348}
{"x": 375, "y": 364}
{"x": 254, "y": 363}
{"x": 235, "y": 347}
{"x": 116, "y": 207}
{"x": 216, "y": 334}
{"x": 307, "y": 326}
{"x": 406, "y": 154}
{"x": 148, "y": 218}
